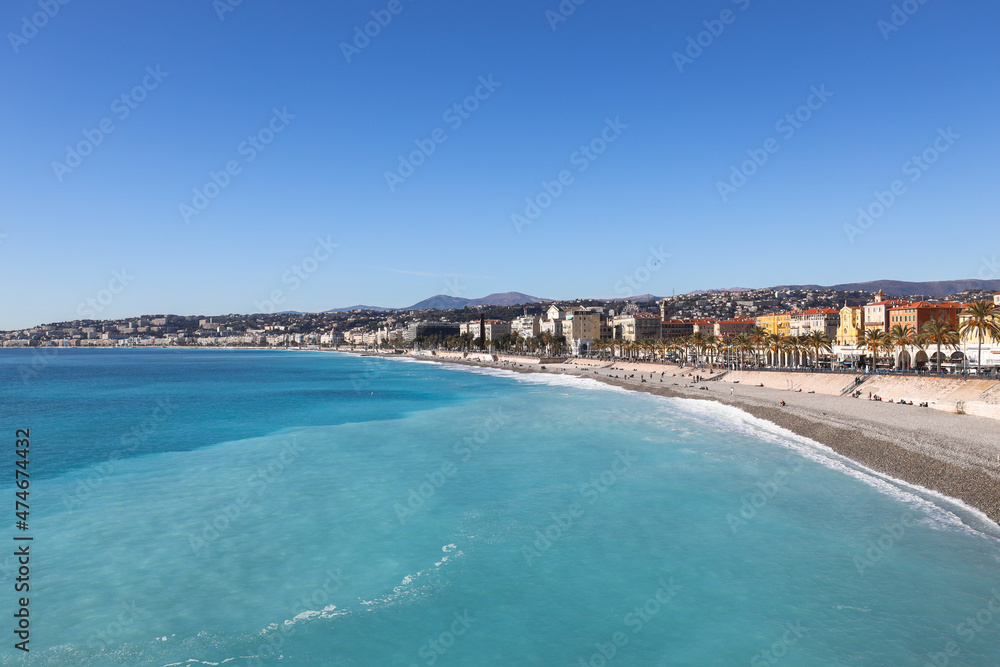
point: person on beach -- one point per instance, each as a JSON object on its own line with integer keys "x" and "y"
{"x": 782, "y": 403}
{"x": 732, "y": 391}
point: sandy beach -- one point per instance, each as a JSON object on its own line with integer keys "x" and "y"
{"x": 955, "y": 454}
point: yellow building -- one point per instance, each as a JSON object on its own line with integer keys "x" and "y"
{"x": 776, "y": 323}
{"x": 852, "y": 318}
{"x": 971, "y": 337}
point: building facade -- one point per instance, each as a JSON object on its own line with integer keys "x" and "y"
{"x": 915, "y": 315}
{"x": 637, "y": 326}
{"x": 852, "y": 321}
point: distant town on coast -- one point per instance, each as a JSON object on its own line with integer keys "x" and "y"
{"x": 821, "y": 328}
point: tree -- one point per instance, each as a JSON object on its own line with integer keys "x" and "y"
{"x": 902, "y": 336}
{"x": 939, "y": 332}
{"x": 872, "y": 340}
{"x": 819, "y": 341}
{"x": 757, "y": 335}
{"x": 698, "y": 342}
{"x": 980, "y": 318}
{"x": 774, "y": 345}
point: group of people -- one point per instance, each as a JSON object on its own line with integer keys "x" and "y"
{"x": 876, "y": 397}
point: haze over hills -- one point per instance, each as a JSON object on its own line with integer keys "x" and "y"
{"x": 724, "y": 290}
{"x": 934, "y": 289}
{"x": 444, "y": 302}
{"x": 359, "y": 307}
{"x": 447, "y": 302}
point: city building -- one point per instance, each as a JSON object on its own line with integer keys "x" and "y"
{"x": 581, "y": 328}
{"x": 704, "y": 325}
{"x": 914, "y": 315}
{"x": 852, "y": 321}
{"x": 496, "y": 328}
{"x": 637, "y": 326}
{"x": 825, "y": 320}
{"x": 877, "y": 312}
{"x": 526, "y": 326}
{"x": 424, "y": 329}
{"x": 728, "y": 328}
{"x": 775, "y": 323}
{"x": 677, "y": 328}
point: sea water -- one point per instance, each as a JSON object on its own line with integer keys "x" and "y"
{"x": 195, "y": 507}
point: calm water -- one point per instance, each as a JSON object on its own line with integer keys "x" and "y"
{"x": 256, "y": 508}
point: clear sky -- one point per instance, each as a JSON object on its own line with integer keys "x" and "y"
{"x": 113, "y": 217}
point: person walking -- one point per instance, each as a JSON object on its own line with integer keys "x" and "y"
{"x": 732, "y": 391}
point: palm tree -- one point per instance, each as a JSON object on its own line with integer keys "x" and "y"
{"x": 939, "y": 332}
{"x": 743, "y": 343}
{"x": 757, "y": 337}
{"x": 711, "y": 343}
{"x": 774, "y": 344}
{"x": 981, "y": 317}
{"x": 819, "y": 340}
{"x": 873, "y": 340}
{"x": 698, "y": 343}
{"x": 903, "y": 336}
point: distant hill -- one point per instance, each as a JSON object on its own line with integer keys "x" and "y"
{"x": 445, "y": 302}
{"x": 351, "y": 308}
{"x": 638, "y": 298}
{"x": 934, "y": 289}
{"x": 721, "y": 291}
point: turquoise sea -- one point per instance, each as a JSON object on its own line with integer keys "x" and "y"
{"x": 195, "y": 507}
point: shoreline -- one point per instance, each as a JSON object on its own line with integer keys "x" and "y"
{"x": 929, "y": 448}
{"x": 956, "y": 455}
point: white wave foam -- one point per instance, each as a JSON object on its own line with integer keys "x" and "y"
{"x": 730, "y": 418}
{"x": 936, "y": 514}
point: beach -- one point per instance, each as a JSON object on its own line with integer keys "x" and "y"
{"x": 957, "y": 455}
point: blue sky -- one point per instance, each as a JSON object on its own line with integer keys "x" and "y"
{"x": 313, "y": 220}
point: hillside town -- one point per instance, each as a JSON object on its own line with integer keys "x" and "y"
{"x": 823, "y": 329}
